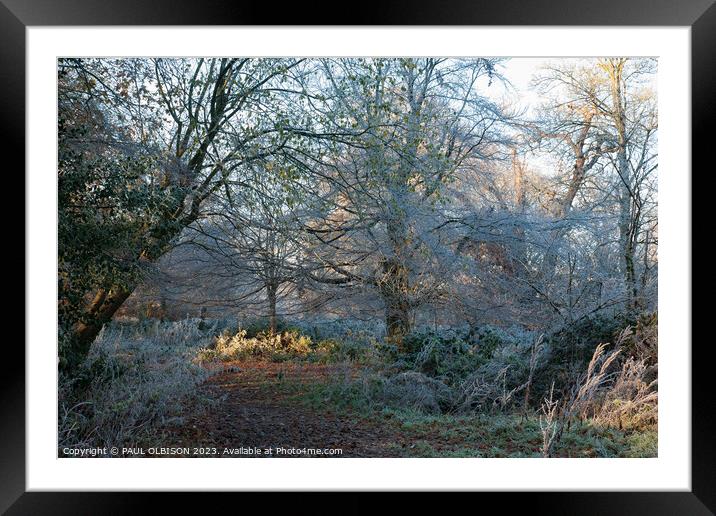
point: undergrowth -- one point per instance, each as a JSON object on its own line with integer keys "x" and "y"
{"x": 136, "y": 380}
{"x": 484, "y": 392}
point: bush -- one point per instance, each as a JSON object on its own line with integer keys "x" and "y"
{"x": 645, "y": 444}
{"x": 442, "y": 371}
{"x": 416, "y": 391}
{"x": 333, "y": 341}
{"x": 482, "y": 366}
{"x": 266, "y": 345}
{"x": 578, "y": 340}
{"x": 569, "y": 349}
{"x": 260, "y": 326}
{"x": 452, "y": 353}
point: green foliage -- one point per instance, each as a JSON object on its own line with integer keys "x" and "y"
{"x": 577, "y": 341}
{"x": 260, "y": 325}
{"x": 451, "y": 353}
{"x": 643, "y": 444}
{"x": 110, "y": 214}
{"x": 571, "y": 348}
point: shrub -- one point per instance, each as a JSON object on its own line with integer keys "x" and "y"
{"x": 444, "y": 371}
{"x": 569, "y": 350}
{"x": 644, "y": 444}
{"x": 277, "y": 346}
{"x": 484, "y": 367}
{"x": 414, "y": 390}
{"x": 325, "y": 342}
{"x": 497, "y": 384}
{"x": 452, "y": 353}
{"x": 260, "y": 326}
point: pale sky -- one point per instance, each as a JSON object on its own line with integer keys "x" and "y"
{"x": 519, "y": 71}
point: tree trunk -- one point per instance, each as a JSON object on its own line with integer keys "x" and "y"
{"x": 103, "y": 306}
{"x": 564, "y": 208}
{"x": 519, "y": 246}
{"x": 626, "y": 230}
{"x": 271, "y": 290}
{"x": 397, "y": 304}
{"x": 626, "y": 225}
{"x": 100, "y": 311}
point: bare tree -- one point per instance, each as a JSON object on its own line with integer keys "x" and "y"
{"x": 419, "y": 122}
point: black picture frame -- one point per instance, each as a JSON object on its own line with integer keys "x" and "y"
{"x": 17, "y": 15}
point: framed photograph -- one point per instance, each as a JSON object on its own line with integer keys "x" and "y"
{"x": 443, "y": 248}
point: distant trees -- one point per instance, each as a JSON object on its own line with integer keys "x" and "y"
{"x": 251, "y": 239}
{"x": 601, "y": 117}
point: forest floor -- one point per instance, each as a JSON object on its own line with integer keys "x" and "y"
{"x": 173, "y": 391}
{"x": 282, "y": 405}
{"x": 256, "y": 404}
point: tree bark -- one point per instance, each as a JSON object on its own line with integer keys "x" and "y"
{"x": 271, "y": 290}
{"x": 395, "y": 283}
{"x": 100, "y": 311}
{"x": 519, "y": 246}
{"x": 626, "y": 224}
{"x": 397, "y": 304}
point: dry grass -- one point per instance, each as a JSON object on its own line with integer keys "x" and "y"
{"x": 136, "y": 380}
{"x": 631, "y": 404}
{"x": 621, "y": 398}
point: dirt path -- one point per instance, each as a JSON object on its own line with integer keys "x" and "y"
{"x": 251, "y": 407}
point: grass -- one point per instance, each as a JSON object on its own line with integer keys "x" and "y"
{"x": 484, "y": 435}
{"x": 137, "y": 380}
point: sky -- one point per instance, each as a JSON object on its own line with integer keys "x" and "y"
{"x": 519, "y": 71}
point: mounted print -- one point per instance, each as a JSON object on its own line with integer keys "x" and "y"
{"x": 358, "y": 257}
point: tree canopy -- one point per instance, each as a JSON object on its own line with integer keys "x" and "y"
{"x": 407, "y": 190}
